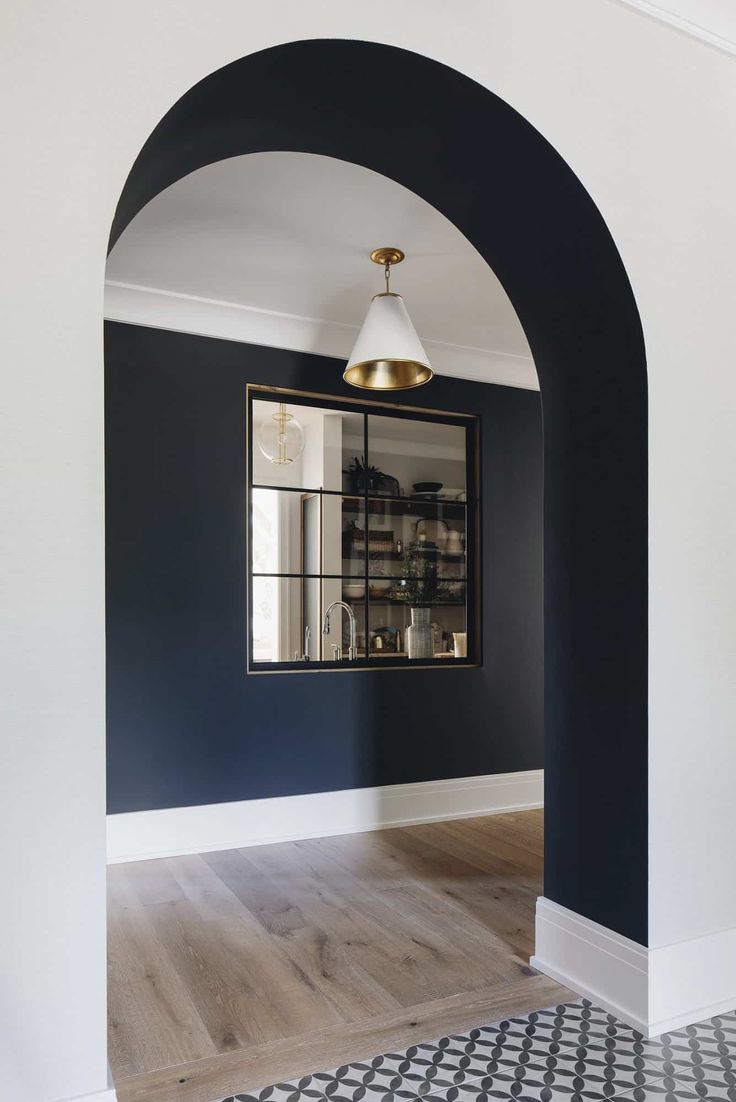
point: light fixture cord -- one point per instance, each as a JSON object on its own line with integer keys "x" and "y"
{"x": 387, "y": 273}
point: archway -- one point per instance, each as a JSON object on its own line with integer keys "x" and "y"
{"x": 491, "y": 173}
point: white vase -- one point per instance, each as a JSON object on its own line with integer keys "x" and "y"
{"x": 419, "y": 634}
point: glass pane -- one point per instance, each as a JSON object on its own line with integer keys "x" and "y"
{"x": 344, "y": 535}
{"x": 314, "y": 459}
{"x": 282, "y": 609}
{"x": 285, "y": 532}
{"x": 414, "y": 458}
{"x": 401, "y": 530}
{"x": 398, "y": 625}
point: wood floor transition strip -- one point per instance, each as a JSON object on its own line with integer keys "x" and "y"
{"x": 215, "y": 1077}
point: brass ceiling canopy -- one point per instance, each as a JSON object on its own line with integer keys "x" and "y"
{"x": 387, "y": 255}
{"x": 388, "y": 354}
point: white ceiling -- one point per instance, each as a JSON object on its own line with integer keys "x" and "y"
{"x": 287, "y": 236}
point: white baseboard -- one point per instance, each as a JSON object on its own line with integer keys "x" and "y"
{"x": 607, "y": 968}
{"x": 141, "y": 835}
{"x": 692, "y": 980}
{"x": 107, "y": 1095}
{"x": 654, "y": 990}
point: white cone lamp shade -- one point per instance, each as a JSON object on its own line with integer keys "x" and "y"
{"x": 388, "y": 354}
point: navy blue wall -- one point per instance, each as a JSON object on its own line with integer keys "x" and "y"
{"x": 185, "y": 724}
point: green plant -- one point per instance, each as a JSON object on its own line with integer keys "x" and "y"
{"x": 361, "y": 473}
{"x": 420, "y": 585}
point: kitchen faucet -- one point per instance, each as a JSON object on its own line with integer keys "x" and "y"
{"x": 353, "y": 648}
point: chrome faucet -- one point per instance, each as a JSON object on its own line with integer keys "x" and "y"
{"x": 353, "y": 648}
{"x": 307, "y": 635}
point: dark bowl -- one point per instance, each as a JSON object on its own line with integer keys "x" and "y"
{"x": 427, "y": 487}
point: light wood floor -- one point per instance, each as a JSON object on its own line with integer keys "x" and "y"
{"x": 229, "y": 971}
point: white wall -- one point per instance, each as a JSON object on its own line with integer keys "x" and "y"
{"x": 645, "y": 117}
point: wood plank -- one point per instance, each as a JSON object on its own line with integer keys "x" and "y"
{"x": 380, "y": 954}
{"x": 455, "y": 963}
{"x": 313, "y": 952}
{"x": 152, "y": 1021}
{"x": 279, "y": 1061}
{"x": 479, "y": 934}
{"x": 503, "y": 906}
{"x": 235, "y": 969}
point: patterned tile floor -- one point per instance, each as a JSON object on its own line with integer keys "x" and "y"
{"x": 574, "y": 1052}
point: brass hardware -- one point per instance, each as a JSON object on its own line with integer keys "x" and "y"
{"x": 387, "y": 255}
{"x": 254, "y": 389}
{"x": 282, "y": 418}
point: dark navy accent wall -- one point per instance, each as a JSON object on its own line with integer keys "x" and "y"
{"x": 186, "y": 725}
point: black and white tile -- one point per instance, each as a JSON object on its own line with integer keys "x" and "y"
{"x": 574, "y": 1052}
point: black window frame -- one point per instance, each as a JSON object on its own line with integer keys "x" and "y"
{"x": 471, "y": 423}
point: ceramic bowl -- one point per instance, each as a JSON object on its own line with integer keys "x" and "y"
{"x": 353, "y": 590}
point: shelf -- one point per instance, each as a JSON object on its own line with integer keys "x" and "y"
{"x": 397, "y": 556}
{"x": 388, "y": 602}
{"x": 386, "y": 653}
{"x": 404, "y": 506}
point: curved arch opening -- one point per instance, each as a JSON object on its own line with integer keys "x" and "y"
{"x": 494, "y": 177}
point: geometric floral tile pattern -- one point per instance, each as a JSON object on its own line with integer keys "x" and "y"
{"x": 712, "y": 1041}
{"x": 576, "y": 1074}
{"x": 574, "y": 1052}
{"x": 703, "y": 1083}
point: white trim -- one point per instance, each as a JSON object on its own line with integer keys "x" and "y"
{"x": 109, "y": 1094}
{"x": 680, "y": 23}
{"x": 655, "y": 990}
{"x": 692, "y": 980}
{"x": 161, "y": 309}
{"x": 141, "y": 835}
{"x": 594, "y": 961}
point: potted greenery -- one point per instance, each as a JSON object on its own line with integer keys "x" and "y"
{"x": 420, "y": 588}
{"x": 362, "y": 476}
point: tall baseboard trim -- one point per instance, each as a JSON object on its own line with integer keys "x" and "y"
{"x": 692, "y": 980}
{"x": 142, "y": 835}
{"x": 602, "y": 965}
{"x": 654, "y": 990}
{"x": 107, "y": 1095}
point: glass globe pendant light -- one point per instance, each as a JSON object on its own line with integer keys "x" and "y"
{"x": 281, "y": 439}
{"x": 388, "y": 354}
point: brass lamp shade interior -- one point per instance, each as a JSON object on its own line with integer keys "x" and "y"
{"x": 388, "y": 374}
{"x": 388, "y": 354}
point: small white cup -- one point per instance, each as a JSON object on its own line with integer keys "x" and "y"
{"x": 460, "y": 639}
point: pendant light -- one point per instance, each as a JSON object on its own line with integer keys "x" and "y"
{"x": 388, "y": 354}
{"x": 281, "y": 439}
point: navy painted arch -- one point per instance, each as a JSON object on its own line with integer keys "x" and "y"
{"x": 480, "y": 163}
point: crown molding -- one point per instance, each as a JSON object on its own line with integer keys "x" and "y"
{"x": 687, "y": 26}
{"x": 159, "y": 309}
